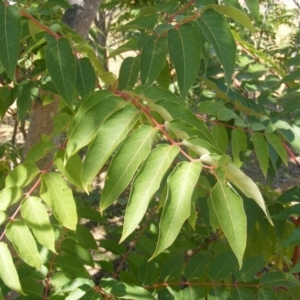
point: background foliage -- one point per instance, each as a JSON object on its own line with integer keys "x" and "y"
{"x": 204, "y": 86}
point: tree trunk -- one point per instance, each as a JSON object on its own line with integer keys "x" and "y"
{"x": 79, "y": 18}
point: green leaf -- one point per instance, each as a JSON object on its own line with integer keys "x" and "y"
{"x": 77, "y": 251}
{"x": 200, "y": 146}
{"x": 36, "y": 217}
{"x": 61, "y": 66}
{"x": 113, "y": 247}
{"x": 293, "y": 240}
{"x": 242, "y": 294}
{"x": 250, "y": 268}
{"x": 129, "y": 72}
{"x": 238, "y": 144}
{"x": 85, "y": 76}
{"x": 5, "y": 100}
{"x": 145, "y": 184}
{"x": 192, "y": 293}
{"x": 278, "y": 146}
{"x": 58, "y": 196}
{"x": 109, "y": 136}
{"x": 147, "y": 272}
{"x": 10, "y": 35}
{"x": 279, "y": 279}
{"x": 222, "y": 266}
{"x": 27, "y": 92}
{"x": 9, "y": 196}
{"x": 8, "y": 272}
{"x": 153, "y": 59}
{"x": 196, "y": 266}
{"x": 262, "y": 152}
{"x": 253, "y": 6}
{"x": 144, "y": 23}
{"x": 218, "y": 293}
{"x": 71, "y": 267}
{"x": 266, "y": 294}
{"x": 20, "y": 236}
{"x": 293, "y": 194}
{"x": 83, "y": 236}
{"x": 39, "y": 150}
{"x": 22, "y": 175}
{"x": 220, "y": 136}
{"x": 217, "y": 32}
{"x": 124, "y": 290}
{"x": 181, "y": 184}
{"x": 171, "y": 270}
{"x": 71, "y": 169}
{"x": 233, "y": 13}
{"x": 131, "y": 154}
{"x": 163, "y": 78}
{"x": 185, "y": 52}
{"x": 226, "y": 114}
{"x": 92, "y": 112}
{"x": 228, "y": 207}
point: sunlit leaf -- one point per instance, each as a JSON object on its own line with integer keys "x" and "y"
{"x": 20, "y": 236}
{"x": 93, "y": 111}
{"x": 145, "y": 184}
{"x": 181, "y": 184}
{"x": 9, "y": 196}
{"x": 8, "y": 272}
{"x": 35, "y": 215}
{"x": 58, "y": 196}
{"x": 109, "y": 136}
{"x": 22, "y": 175}
{"x": 228, "y": 207}
{"x": 131, "y": 154}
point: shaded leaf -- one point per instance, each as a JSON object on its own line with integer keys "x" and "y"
{"x": 253, "y": 6}
{"x": 145, "y": 184}
{"x": 20, "y": 236}
{"x": 58, "y": 196}
{"x": 278, "y": 146}
{"x": 217, "y": 32}
{"x": 129, "y": 72}
{"x": 172, "y": 268}
{"x": 279, "y": 279}
{"x": 181, "y": 184}
{"x": 238, "y": 144}
{"x": 5, "y": 100}
{"x": 124, "y": 290}
{"x": 85, "y": 76}
{"x": 77, "y": 251}
{"x": 233, "y": 13}
{"x": 144, "y": 23}
{"x": 39, "y": 150}
{"x": 222, "y": 266}
{"x": 83, "y": 236}
{"x": 262, "y": 152}
{"x": 61, "y": 66}
{"x": 196, "y": 266}
{"x": 10, "y": 35}
{"x": 242, "y": 294}
{"x": 153, "y": 59}
{"x": 27, "y": 93}
{"x": 266, "y": 294}
{"x": 185, "y": 52}
{"x": 8, "y": 272}
{"x": 131, "y": 154}
{"x": 36, "y": 217}
{"x": 192, "y": 293}
{"x": 71, "y": 267}
{"x": 251, "y": 266}
{"x": 109, "y": 136}
{"x": 220, "y": 136}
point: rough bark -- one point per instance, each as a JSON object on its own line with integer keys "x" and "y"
{"x": 79, "y": 18}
